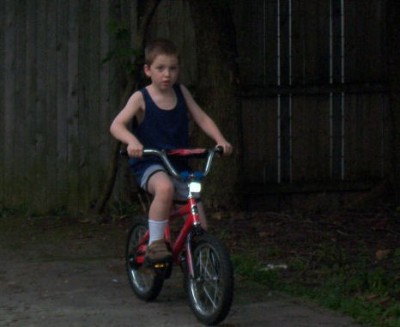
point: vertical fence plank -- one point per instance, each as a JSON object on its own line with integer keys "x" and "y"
{"x": 311, "y": 139}
{"x": 364, "y": 119}
{"x": 387, "y": 141}
{"x": 104, "y": 94}
{"x": 337, "y": 137}
{"x": 364, "y": 31}
{"x": 270, "y": 42}
{"x": 41, "y": 191}
{"x": 85, "y": 13}
{"x": 310, "y": 41}
{"x": 21, "y": 144}
{"x": 85, "y": 108}
{"x": 51, "y": 134}
{"x": 93, "y": 113}
{"x": 61, "y": 63}
{"x": 285, "y": 139}
{"x": 257, "y": 41}
{"x": 109, "y": 88}
{"x": 73, "y": 144}
{"x": 2, "y": 102}
{"x": 284, "y": 77}
{"x": 260, "y": 146}
{"x": 337, "y": 98}
{"x": 9, "y": 101}
{"x": 31, "y": 97}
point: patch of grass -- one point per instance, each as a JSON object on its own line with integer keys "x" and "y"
{"x": 13, "y": 211}
{"x": 252, "y": 269}
{"x": 362, "y": 288}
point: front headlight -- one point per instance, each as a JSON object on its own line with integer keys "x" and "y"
{"x": 195, "y": 187}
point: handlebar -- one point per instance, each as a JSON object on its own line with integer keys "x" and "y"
{"x": 188, "y": 153}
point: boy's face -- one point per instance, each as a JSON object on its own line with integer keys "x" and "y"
{"x": 163, "y": 71}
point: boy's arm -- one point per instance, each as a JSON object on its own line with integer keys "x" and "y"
{"x": 119, "y": 127}
{"x": 205, "y": 122}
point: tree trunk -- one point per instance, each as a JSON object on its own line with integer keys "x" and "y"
{"x": 131, "y": 80}
{"x": 216, "y": 93}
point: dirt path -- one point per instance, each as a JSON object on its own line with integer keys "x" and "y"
{"x": 55, "y": 273}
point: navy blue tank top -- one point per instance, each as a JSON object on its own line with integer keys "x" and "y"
{"x": 162, "y": 129}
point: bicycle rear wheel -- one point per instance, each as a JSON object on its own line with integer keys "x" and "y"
{"x": 144, "y": 282}
{"x": 210, "y": 292}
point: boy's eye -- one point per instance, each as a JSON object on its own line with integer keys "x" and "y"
{"x": 163, "y": 68}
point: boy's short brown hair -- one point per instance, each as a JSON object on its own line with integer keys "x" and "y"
{"x": 159, "y": 47}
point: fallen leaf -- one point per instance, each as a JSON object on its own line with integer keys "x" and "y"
{"x": 381, "y": 254}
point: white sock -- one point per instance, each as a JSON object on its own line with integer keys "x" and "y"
{"x": 156, "y": 229}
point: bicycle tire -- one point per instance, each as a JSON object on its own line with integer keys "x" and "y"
{"x": 210, "y": 292}
{"x": 144, "y": 282}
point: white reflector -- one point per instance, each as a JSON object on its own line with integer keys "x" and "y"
{"x": 195, "y": 187}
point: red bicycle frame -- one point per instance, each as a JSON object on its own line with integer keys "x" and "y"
{"x": 189, "y": 210}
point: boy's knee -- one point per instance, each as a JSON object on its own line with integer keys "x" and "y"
{"x": 165, "y": 189}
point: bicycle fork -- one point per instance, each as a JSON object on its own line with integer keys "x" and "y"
{"x": 189, "y": 256}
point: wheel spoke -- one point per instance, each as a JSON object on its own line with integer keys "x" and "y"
{"x": 212, "y": 298}
{"x": 144, "y": 282}
{"x": 210, "y": 291}
{"x": 208, "y": 278}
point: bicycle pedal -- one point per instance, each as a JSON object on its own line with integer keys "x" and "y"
{"x": 163, "y": 269}
{"x": 161, "y": 265}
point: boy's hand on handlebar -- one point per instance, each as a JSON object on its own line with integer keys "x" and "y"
{"x": 227, "y": 148}
{"x": 135, "y": 149}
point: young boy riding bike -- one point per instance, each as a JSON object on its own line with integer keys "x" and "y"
{"x": 162, "y": 111}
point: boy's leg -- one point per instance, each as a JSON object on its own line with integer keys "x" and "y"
{"x": 160, "y": 185}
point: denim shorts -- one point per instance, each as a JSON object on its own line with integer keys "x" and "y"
{"x": 181, "y": 188}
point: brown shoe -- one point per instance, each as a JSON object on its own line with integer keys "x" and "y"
{"x": 157, "y": 251}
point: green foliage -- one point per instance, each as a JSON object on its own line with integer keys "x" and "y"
{"x": 250, "y": 268}
{"x": 121, "y": 210}
{"x": 6, "y": 212}
{"x": 127, "y": 55}
{"x": 362, "y": 288}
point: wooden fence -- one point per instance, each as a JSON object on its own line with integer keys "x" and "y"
{"x": 57, "y": 101}
{"x": 315, "y": 105}
{"x": 313, "y": 95}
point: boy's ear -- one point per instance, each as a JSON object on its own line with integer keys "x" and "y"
{"x": 146, "y": 70}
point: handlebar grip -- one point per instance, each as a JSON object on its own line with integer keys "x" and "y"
{"x": 219, "y": 149}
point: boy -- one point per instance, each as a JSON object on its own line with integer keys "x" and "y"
{"x": 161, "y": 110}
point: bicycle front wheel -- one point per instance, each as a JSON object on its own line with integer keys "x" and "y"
{"x": 210, "y": 291}
{"x": 144, "y": 282}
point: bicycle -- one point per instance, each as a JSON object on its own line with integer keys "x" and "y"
{"x": 204, "y": 260}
